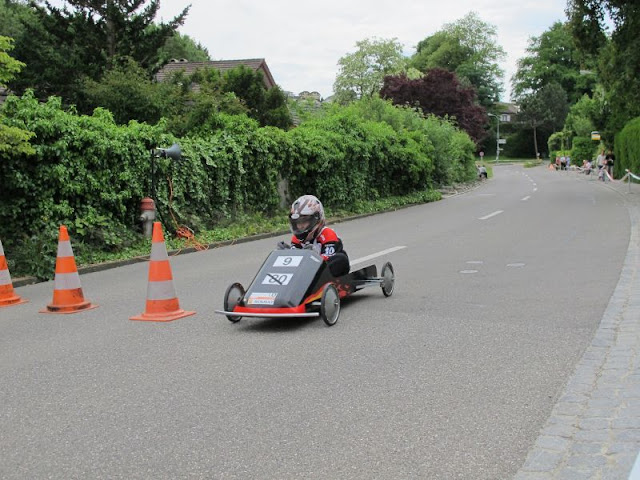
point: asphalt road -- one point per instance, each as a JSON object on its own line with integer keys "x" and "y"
{"x": 498, "y": 293}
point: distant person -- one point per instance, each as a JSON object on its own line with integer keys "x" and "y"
{"x": 610, "y": 159}
{"x": 482, "y": 172}
{"x": 600, "y": 159}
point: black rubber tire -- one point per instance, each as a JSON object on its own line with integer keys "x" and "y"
{"x": 388, "y": 279}
{"x": 232, "y": 297}
{"x": 330, "y": 305}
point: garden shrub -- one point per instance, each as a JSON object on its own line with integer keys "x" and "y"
{"x": 89, "y": 173}
{"x": 627, "y": 149}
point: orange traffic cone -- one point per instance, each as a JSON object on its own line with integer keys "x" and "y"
{"x": 67, "y": 292}
{"x": 162, "y": 301}
{"x": 7, "y": 295}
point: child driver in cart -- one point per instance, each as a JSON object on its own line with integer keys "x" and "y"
{"x": 309, "y": 230}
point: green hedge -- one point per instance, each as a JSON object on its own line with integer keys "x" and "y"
{"x": 89, "y": 173}
{"x": 583, "y": 149}
{"x": 627, "y": 149}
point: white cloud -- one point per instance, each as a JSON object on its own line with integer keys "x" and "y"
{"x": 302, "y": 41}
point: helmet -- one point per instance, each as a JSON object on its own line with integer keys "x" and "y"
{"x": 306, "y": 218}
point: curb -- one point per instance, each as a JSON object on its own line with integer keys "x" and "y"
{"x": 98, "y": 267}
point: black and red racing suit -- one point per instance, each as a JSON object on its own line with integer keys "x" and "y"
{"x": 329, "y": 246}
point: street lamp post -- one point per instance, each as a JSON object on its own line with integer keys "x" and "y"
{"x": 497, "y": 136}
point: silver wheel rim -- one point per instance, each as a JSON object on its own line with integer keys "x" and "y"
{"x": 331, "y": 305}
{"x": 233, "y": 297}
{"x": 389, "y": 280}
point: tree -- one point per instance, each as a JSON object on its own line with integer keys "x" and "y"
{"x": 128, "y": 93}
{"x": 361, "y": 73}
{"x": 554, "y": 57}
{"x": 439, "y": 92}
{"x": 545, "y": 109}
{"x": 111, "y": 33}
{"x": 127, "y": 27}
{"x": 13, "y": 15}
{"x": 619, "y": 57}
{"x": 182, "y": 46}
{"x": 267, "y": 107}
{"x": 468, "y": 48}
{"x": 9, "y": 66}
{"x": 12, "y": 139}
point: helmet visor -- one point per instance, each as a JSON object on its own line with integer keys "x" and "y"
{"x": 302, "y": 223}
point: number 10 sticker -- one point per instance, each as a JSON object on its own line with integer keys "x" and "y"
{"x": 287, "y": 261}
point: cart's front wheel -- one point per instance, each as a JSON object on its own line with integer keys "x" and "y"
{"x": 232, "y": 297}
{"x": 388, "y": 279}
{"x": 330, "y": 305}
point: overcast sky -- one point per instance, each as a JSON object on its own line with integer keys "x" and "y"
{"x": 302, "y": 41}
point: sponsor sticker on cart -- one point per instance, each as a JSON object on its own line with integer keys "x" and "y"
{"x": 288, "y": 261}
{"x": 277, "y": 279}
{"x": 257, "y": 298}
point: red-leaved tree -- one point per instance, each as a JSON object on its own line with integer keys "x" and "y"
{"x": 439, "y": 92}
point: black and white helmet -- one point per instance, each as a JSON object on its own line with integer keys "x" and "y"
{"x": 306, "y": 218}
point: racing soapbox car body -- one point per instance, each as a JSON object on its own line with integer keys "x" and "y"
{"x": 299, "y": 283}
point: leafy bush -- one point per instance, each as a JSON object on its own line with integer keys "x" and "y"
{"x": 89, "y": 173}
{"x": 583, "y": 149}
{"x": 627, "y": 149}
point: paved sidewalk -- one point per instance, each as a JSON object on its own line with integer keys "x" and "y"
{"x": 594, "y": 429}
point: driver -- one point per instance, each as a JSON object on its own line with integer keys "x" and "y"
{"x": 309, "y": 231}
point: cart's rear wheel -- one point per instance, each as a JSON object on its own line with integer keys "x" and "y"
{"x": 388, "y": 279}
{"x": 330, "y": 305}
{"x": 232, "y": 297}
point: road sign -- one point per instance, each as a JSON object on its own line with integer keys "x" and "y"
{"x": 502, "y": 141}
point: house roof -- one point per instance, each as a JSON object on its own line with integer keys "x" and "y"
{"x": 256, "y": 64}
{"x": 510, "y": 108}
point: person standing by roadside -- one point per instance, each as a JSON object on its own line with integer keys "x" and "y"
{"x": 609, "y": 161}
{"x": 600, "y": 159}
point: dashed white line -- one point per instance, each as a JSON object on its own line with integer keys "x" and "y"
{"x": 497, "y": 212}
{"x": 526, "y": 198}
{"x": 375, "y": 255}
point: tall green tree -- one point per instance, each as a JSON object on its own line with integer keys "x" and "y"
{"x": 84, "y": 39}
{"x": 618, "y": 54}
{"x": 13, "y": 140}
{"x": 9, "y": 66}
{"x": 544, "y": 112}
{"x": 267, "y": 107}
{"x": 182, "y": 46}
{"x": 126, "y": 26}
{"x": 554, "y": 57}
{"x": 13, "y": 15}
{"x": 361, "y": 73}
{"x": 467, "y": 47}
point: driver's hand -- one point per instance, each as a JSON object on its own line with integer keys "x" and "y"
{"x": 283, "y": 246}
{"x": 308, "y": 246}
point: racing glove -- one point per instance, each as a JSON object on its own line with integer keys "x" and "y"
{"x": 283, "y": 246}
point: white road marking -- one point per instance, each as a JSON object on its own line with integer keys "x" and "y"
{"x": 535, "y": 189}
{"x": 468, "y": 271}
{"x": 476, "y": 262}
{"x": 497, "y": 212}
{"x": 526, "y": 198}
{"x": 517, "y": 265}
{"x": 375, "y": 255}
